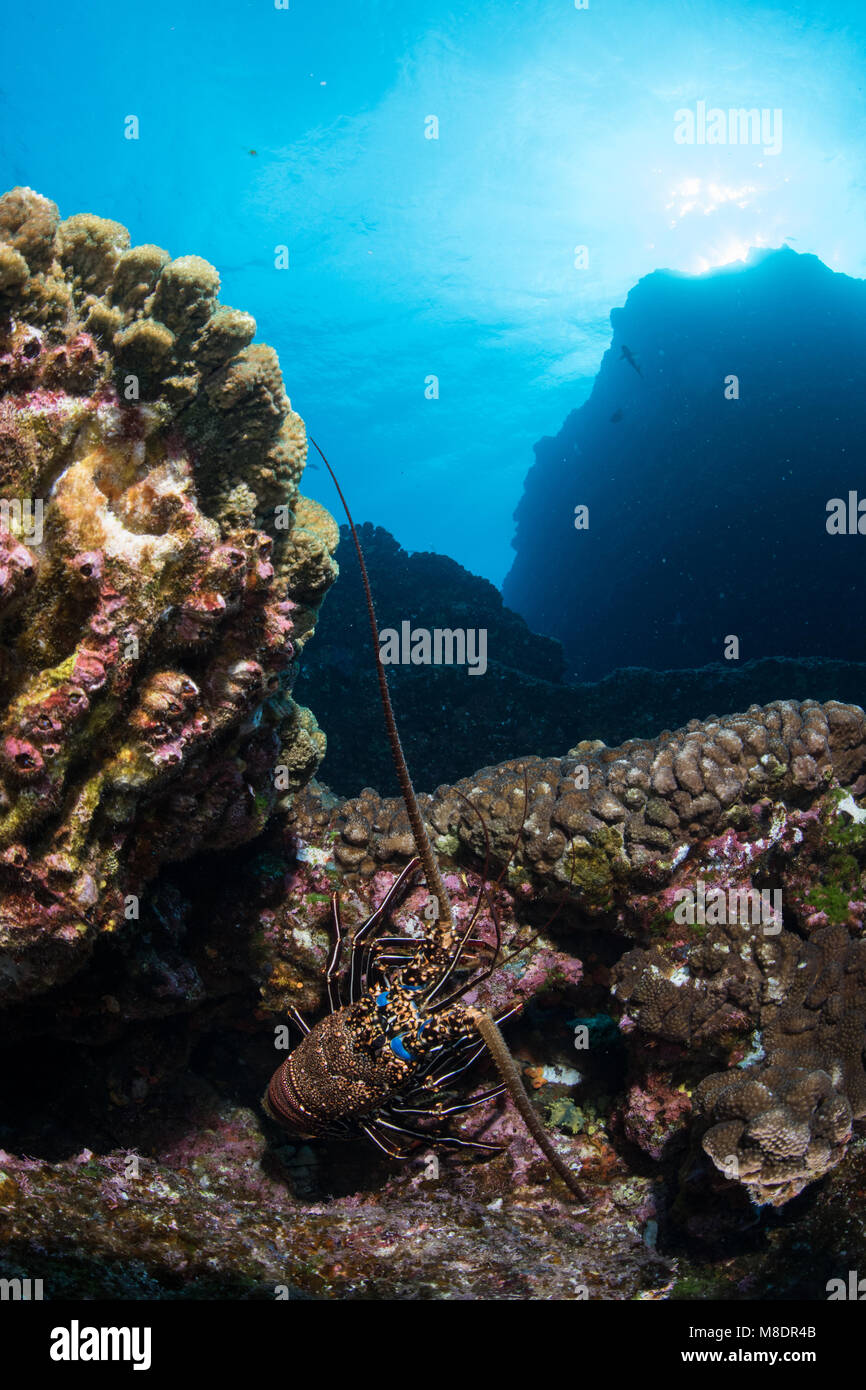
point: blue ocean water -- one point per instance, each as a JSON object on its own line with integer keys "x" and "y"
{"x": 484, "y": 248}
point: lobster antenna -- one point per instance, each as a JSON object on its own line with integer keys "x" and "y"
{"x": 507, "y": 1068}
{"x": 486, "y": 1025}
{"x": 435, "y": 884}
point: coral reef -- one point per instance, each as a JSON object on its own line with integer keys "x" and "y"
{"x": 624, "y": 815}
{"x": 751, "y": 816}
{"x": 721, "y": 1067}
{"x": 159, "y": 573}
{"x": 788, "y": 1120}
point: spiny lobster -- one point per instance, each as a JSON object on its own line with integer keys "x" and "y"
{"x": 390, "y": 1051}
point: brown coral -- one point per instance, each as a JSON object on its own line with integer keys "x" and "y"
{"x": 149, "y": 462}
{"x": 642, "y": 804}
{"x": 779, "y": 1124}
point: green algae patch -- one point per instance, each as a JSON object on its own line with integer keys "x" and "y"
{"x": 842, "y": 873}
{"x": 841, "y": 827}
{"x": 448, "y": 845}
{"x": 565, "y": 1115}
{"x": 841, "y": 882}
{"x": 596, "y": 870}
{"x": 739, "y": 817}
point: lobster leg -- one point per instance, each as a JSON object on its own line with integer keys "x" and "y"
{"x": 383, "y": 952}
{"x": 441, "y": 1138}
{"x": 478, "y": 1050}
{"x": 417, "y": 941}
{"x": 482, "y": 893}
{"x": 331, "y": 976}
{"x": 452, "y": 1109}
{"x": 387, "y": 958}
{"x": 364, "y": 935}
{"x": 382, "y": 1141}
{"x": 477, "y": 979}
{"x": 441, "y": 1079}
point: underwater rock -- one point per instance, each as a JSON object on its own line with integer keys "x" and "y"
{"x": 709, "y": 500}
{"x": 655, "y": 1114}
{"x": 159, "y": 573}
{"x": 205, "y": 1216}
{"x": 517, "y": 703}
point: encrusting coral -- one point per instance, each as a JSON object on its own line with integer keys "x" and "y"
{"x": 159, "y": 573}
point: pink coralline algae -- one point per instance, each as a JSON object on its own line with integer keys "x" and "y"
{"x": 159, "y": 574}
{"x": 656, "y": 1114}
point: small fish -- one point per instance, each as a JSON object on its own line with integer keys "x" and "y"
{"x": 629, "y": 357}
{"x": 616, "y": 417}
